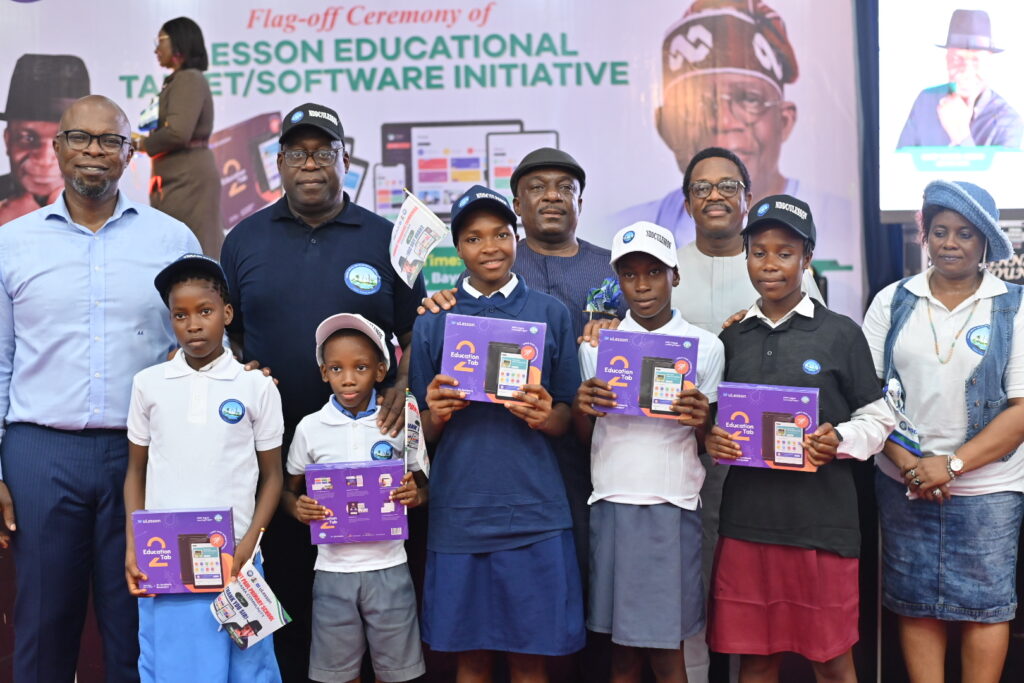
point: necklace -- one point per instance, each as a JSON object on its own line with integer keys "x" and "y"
{"x": 952, "y": 344}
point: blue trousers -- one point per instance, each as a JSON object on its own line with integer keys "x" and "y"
{"x": 179, "y": 641}
{"x": 67, "y": 490}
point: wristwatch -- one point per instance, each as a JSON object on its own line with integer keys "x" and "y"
{"x": 954, "y": 466}
{"x": 838, "y": 435}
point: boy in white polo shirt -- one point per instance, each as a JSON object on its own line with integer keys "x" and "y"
{"x": 647, "y": 478}
{"x": 363, "y": 593}
{"x": 203, "y": 433}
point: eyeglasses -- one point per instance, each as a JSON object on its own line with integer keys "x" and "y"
{"x": 746, "y": 106}
{"x": 296, "y": 158}
{"x": 727, "y": 188}
{"x": 79, "y": 140}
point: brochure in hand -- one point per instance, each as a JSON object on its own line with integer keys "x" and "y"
{"x": 247, "y": 609}
{"x": 769, "y": 423}
{"x": 646, "y": 371}
{"x": 491, "y": 357}
{"x": 415, "y": 446}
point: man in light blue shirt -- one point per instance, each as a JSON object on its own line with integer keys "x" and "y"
{"x": 78, "y": 318}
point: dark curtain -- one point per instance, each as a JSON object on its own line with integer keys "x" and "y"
{"x": 883, "y": 243}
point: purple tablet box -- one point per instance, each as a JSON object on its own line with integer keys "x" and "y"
{"x": 184, "y": 551}
{"x": 492, "y": 358}
{"x": 769, "y": 423}
{"x": 356, "y": 495}
{"x": 646, "y": 371}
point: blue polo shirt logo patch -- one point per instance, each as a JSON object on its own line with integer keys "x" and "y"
{"x": 811, "y": 366}
{"x": 977, "y": 339}
{"x": 382, "y": 450}
{"x": 362, "y": 278}
{"x": 297, "y": 116}
{"x": 232, "y": 411}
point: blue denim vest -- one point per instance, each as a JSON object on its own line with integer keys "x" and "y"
{"x": 984, "y": 394}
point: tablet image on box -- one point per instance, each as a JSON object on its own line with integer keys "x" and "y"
{"x": 769, "y": 423}
{"x": 491, "y": 357}
{"x": 357, "y": 496}
{"x": 184, "y": 551}
{"x": 646, "y": 371}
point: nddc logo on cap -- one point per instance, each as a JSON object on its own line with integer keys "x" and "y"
{"x": 628, "y": 237}
{"x": 463, "y": 202}
{"x": 297, "y": 116}
{"x": 763, "y": 209}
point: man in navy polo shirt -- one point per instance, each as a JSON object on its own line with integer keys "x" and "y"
{"x": 310, "y": 255}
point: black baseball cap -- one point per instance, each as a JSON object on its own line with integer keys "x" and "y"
{"x": 190, "y": 263}
{"x": 480, "y": 197}
{"x": 547, "y": 157}
{"x": 316, "y": 115}
{"x": 786, "y": 210}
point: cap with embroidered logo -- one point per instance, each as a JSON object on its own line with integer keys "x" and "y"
{"x": 480, "y": 197}
{"x": 315, "y": 115}
{"x": 648, "y": 238}
{"x": 785, "y": 210}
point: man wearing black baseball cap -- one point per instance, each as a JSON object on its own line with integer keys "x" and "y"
{"x": 308, "y": 256}
{"x": 42, "y": 87}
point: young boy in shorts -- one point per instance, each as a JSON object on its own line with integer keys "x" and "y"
{"x": 645, "y": 506}
{"x": 203, "y": 433}
{"x": 363, "y": 593}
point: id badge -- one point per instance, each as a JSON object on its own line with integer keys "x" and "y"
{"x": 150, "y": 116}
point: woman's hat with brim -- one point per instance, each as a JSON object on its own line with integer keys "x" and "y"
{"x": 977, "y": 206}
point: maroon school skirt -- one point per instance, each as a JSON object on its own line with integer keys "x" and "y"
{"x": 774, "y": 598}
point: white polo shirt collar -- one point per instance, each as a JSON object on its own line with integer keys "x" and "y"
{"x": 505, "y": 291}
{"x": 221, "y": 367}
{"x": 805, "y": 308}
{"x": 990, "y": 286}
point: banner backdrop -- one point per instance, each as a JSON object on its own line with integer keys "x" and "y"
{"x": 437, "y": 97}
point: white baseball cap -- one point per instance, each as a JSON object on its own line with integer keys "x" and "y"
{"x": 648, "y": 238}
{"x": 350, "y": 321}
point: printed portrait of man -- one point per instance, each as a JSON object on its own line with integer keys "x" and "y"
{"x": 42, "y": 87}
{"x": 964, "y": 112}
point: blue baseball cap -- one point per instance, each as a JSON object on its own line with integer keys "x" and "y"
{"x": 188, "y": 263}
{"x": 480, "y": 197}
